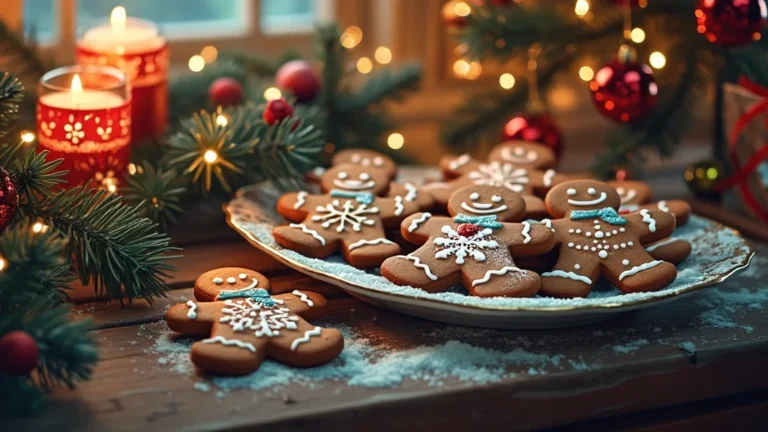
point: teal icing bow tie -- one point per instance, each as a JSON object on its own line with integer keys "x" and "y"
{"x": 483, "y": 221}
{"x": 361, "y": 197}
{"x": 607, "y": 214}
{"x": 258, "y": 294}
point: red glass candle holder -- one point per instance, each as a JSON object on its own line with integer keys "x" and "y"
{"x": 84, "y": 117}
{"x": 142, "y": 54}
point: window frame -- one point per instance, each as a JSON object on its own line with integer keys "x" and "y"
{"x": 186, "y": 40}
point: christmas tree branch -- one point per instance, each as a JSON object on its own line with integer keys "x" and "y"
{"x": 11, "y": 94}
{"x": 189, "y": 92}
{"x": 20, "y": 55}
{"x": 382, "y": 86}
{"x": 111, "y": 246}
{"x": 156, "y": 193}
{"x": 260, "y": 66}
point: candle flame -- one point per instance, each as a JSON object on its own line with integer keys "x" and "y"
{"x": 118, "y": 19}
{"x": 76, "y": 88}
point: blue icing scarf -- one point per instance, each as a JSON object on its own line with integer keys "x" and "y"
{"x": 259, "y": 294}
{"x": 607, "y": 214}
{"x": 483, "y": 221}
{"x": 361, "y": 197}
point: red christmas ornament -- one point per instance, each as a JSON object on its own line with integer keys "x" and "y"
{"x": 731, "y": 23}
{"x": 536, "y": 127}
{"x": 467, "y": 229}
{"x": 624, "y": 90}
{"x": 298, "y": 77}
{"x": 226, "y": 91}
{"x": 9, "y": 199}
{"x": 276, "y": 110}
{"x": 455, "y": 14}
{"x": 18, "y": 353}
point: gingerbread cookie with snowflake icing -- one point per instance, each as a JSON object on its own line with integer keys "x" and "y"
{"x": 375, "y": 160}
{"x": 243, "y": 325}
{"x": 520, "y": 154}
{"x": 636, "y": 195}
{"x": 472, "y": 247}
{"x": 593, "y": 239}
{"x": 350, "y": 217}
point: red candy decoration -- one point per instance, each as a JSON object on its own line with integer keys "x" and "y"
{"x": 298, "y": 77}
{"x": 9, "y": 199}
{"x": 624, "y": 91}
{"x": 19, "y": 353}
{"x": 535, "y": 127}
{"x": 226, "y": 91}
{"x": 731, "y": 23}
{"x": 467, "y": 229}
{"x": 276, "y": 110}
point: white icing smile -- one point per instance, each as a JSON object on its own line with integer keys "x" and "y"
{"x": 364, "y": 182}
{"x": 483, "y": 208}
{"x": 591, "y": 191}
{"x": 518, "y": 155}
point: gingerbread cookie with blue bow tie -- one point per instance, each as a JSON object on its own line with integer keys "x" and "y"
{"x": 473, "y": 247}
{"x": 636, "y": 195}
{"x": 594, "y": 240}
{"x": 350, "y": 218}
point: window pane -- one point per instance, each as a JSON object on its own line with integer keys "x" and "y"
{"x": 171, "y": 14}
{"x": 39, "y": 16}
{"x": 287, "y": 15}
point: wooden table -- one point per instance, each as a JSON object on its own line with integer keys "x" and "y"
{"x": 697, "y": 362}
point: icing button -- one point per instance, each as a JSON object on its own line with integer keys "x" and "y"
{"x": 218, "y": 280}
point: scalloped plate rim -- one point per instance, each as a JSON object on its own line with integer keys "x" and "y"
{"x": 361, "y": 290}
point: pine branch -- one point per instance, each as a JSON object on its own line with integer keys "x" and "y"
{"x": 34, "y": 269}
{"x": 287, "y": 150}
{"x": 383, "y": 85}
{"x": 35, "y": 178}
{"x": 19, "y": 55}
{"x": 156, "y": 193}
{"x": 483, "y": 114}
{"x": 11, "y": 94}
{"x": 111, "y": 246}
{"x": 189, "y": 92}
{"x": 260, "y": 66}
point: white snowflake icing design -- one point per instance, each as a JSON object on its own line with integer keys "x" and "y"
{"x": 456, "y": 244}
{"x": 249, "y": 314}
{"x": 497, "y": 174}
{"x": 348, "y": 214}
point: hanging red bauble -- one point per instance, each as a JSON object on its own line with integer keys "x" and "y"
{"x": 18, "y": 353}
{"x": 538, "y": 127}
{"x": 298, "y": 77}
{"x": 276, "y": 110}
{"x": 9, "y": 199}
{"x": 624, "y": 90}
{"x": 455, "y": 13}
{"x": 731, "y": 23}
{"x": 226, "y": 91}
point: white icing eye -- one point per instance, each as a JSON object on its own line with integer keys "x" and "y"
{"x": 242, "y": 276}
{"x": 474, "y": 196}
{"x": 365, "y": 176}
{"x": 519, "y": 151}
{"x": 355, "y": 158}
{"x": 496, "y": 198}
{"x": 571, "y": 191}
{"x": 218, "y": 280}
{"x": 591, "y": 191}
{"x": 532, "y": 155}
{"x": 343, "y": 175}
{"x": 231, "y": 280}
{"x": 377, "y": 161}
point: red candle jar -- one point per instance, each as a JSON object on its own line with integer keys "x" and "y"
{"x": 134, "y": 46}
{"x": 84, "y": 117}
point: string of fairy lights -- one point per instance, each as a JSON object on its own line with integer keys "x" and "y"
{"x": 472, "y": 70}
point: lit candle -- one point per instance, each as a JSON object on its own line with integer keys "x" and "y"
{"x": 84, "y": 118}
{"x": 136, "y": 47}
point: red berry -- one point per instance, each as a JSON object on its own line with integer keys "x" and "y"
{"x": 226, "y": 91}
{"x": 276, "y": 110}
{"x": 298, "y": 77}
{"x": 18, "y": 353}
{"x": 468, "y": 230}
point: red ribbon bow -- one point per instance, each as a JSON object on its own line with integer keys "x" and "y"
{"x": 742, "y": 172}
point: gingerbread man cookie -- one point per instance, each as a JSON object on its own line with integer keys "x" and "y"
{"x": 520, "y": 154}
{"x": 350, "y": 218}
{"x": 594, "y": 239}
{"x": 376, "y": 160}
{"x": 473, "y": 247}
{"x": 245, "y": 324}
{"x": 636, "y": 195}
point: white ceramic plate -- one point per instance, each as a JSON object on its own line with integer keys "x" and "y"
{"x": 718, "y": 252}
